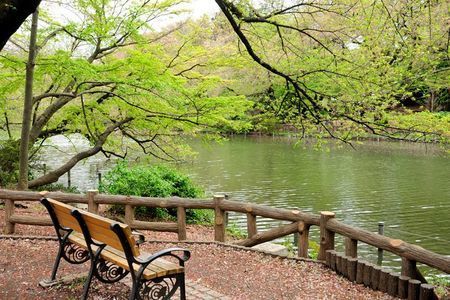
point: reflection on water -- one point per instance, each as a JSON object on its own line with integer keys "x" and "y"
{"x": 406, "y": 186}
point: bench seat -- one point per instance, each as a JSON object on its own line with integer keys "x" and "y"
{"x": 158, "y": 268}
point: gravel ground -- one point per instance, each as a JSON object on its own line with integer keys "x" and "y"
{"x": 239, "y": 274}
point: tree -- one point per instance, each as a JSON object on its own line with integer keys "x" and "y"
{"x": 27, "y": 106}
{"x": 333, "y": 64}
{"x": 111, "y": 87}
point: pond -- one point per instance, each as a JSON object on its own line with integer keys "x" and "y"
{"x": 406, "y": 186}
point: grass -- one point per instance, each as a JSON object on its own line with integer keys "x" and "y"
{"x": 441, "y": 283}
{"x": 235, "y": 232}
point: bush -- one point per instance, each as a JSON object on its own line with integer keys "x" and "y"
{"x": 155, "y": 181}
{"x": 9, "y": 162}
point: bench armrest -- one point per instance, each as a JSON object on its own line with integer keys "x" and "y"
{"x": 139, "y": 237}
{"x": 146, "y": 260}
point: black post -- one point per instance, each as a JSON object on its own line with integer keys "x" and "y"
{"x": 69, "y": 183}
{"x": 380, "y": 251}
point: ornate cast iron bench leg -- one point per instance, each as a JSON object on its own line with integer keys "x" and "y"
{"x": 159, "y": 288}
{"x": 70, "y": 252}
{"x": 104, "y": 271}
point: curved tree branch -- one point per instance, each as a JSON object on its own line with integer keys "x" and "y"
{"x": 54, "y": 175}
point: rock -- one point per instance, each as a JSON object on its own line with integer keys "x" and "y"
{"x": 272, "y": 248}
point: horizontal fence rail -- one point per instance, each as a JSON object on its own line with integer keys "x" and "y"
{"x": 301, "y": 223}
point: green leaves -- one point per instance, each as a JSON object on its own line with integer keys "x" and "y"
{"x": 154, "y": 181}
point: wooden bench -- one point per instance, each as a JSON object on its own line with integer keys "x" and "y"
{"x": 113, "y": 253}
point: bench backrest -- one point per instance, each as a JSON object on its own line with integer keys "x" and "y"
{"x": 98, "y": 226}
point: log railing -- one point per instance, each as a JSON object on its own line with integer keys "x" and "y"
{"x": 301, "y": 223}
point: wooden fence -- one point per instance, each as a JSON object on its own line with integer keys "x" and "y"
{"x": 301, "y": 223}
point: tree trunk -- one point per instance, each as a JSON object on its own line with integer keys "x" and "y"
{"x": 27, "y": 106}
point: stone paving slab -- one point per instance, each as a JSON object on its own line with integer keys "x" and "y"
{"x": 193, "y": 291}
{"x": 197, "y": 291}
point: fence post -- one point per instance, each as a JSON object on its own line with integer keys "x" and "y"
{"x": 219, "y": 219}
{"x": 129, "y": 214}
{"x": 92, "y": 206}
{"x": 181, "y": 221}
{"x": 351, "y": 247}
{"x": 409, "y": 268}
{"x": 9, "y": 211}
{"x": 326, "y": 236}
{"x": 380, "y": 251}
{"x": 303, "y": 241}
{"x": 252, "y": 229}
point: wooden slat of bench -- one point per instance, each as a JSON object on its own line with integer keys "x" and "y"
{"x": 159, "y": 267}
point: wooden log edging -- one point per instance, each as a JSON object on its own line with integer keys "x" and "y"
{"x": 398, "y": 247}
{"x": 403, "y": 286}
{"x": 351, "y": 269}
{"x": 413, "y": 289}
{"x": 383, "y": 283}
{"x": 426, "y": 292}
{"x": 392, "y": 287}
{"x": 377, "y": 278}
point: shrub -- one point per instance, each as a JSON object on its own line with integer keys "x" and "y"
{"x": 154, "y": 181}
{"x": 9, "y": 162}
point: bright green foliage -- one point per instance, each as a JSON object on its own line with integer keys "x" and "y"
{"x": 235, "y": 232}
{"x": 352, "y": 63}
{"x": 99, "y": 76}
{"x": 155, "y": 181}
{"x": 423, "y": 121}
{"x": 442, "y": 284}
{"x": 313, "y": 249}
{"x": 9, "y": 162}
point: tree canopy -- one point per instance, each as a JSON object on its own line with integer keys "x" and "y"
{"x": 339, "y": 69}
{"x": 101, "y": 77}
{"x": 346, "y": 63}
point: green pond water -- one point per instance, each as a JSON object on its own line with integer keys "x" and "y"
{"x": 406, "y": 186}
